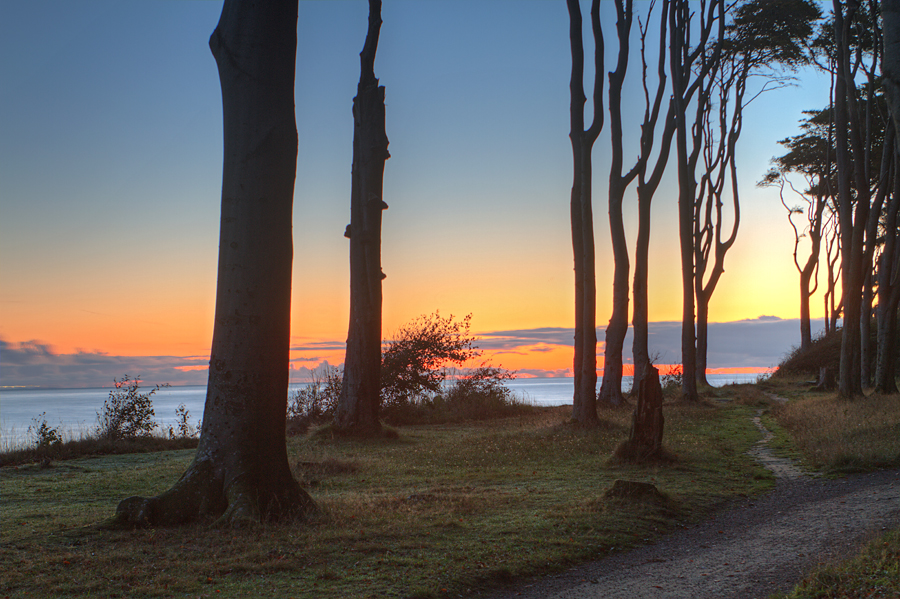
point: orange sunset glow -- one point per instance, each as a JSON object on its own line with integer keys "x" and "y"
{"x": 110, "y": 196}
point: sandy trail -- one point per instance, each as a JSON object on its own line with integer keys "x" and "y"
{"x": 752, "y": 549}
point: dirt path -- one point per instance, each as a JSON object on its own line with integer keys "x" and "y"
{"x": 753, "y": 549}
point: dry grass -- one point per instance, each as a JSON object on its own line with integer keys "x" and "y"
{"x": 837, "y": 435}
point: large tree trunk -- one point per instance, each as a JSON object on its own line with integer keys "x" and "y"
{"x": 240, "y": 472}
{"x": 357, "y": 409}
{"x": 584, "y": 405}
{"x": 889, "y": 273}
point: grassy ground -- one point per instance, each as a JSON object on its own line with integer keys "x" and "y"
{"x": 837, "y": 437}
{"x": 437, "y": 512}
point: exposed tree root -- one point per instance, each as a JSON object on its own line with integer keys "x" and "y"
{"x": 202, "y": 495}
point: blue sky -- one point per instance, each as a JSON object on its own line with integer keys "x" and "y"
{"x": 110, "y": 174}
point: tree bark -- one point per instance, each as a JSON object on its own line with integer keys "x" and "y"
{"x": 684, "y": 82}
{"x": 889, "y": 292}
{"x": 357, "y": 409}
{"x": 584, "y": 405}
{"x": 645, "y": 440}
{"x": 889, "y": 272}
{"x": 646, "y": 189}
{"x": 611, "y": 387}
{"x": 240, "y": 472}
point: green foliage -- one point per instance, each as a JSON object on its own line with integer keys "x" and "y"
{"x": 44, "y": 435}
{"x": 127, "y": 413}
{"x": 766, "y": 32}
{"x": 415, "y": 361}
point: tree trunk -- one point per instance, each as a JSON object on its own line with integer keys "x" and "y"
{"x": 645, "y": 440}
{"x": 357, "y": 409}
{"x": 889, "y": 273}
{"x": 611, "y": 387}
{"x": 889, "y": 291}
{"x": 702, "y": 339}
{"x": 683, "y": 59}
{"x": 849, "y": 381}
{"x": 807, "y": 272}
{"x": 646, "y": 188}
{"x": 240, "y": 472}
{"x": 584, "y": 405}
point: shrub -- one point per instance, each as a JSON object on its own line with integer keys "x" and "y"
{"x": 477, "y": 394}
{"x": 414, "y": 362}
{"x": 127, "y": 413}
{"x": 183, "y": 426}
{"x": 44, "y": 435}
{"x": 670, "y": 379}
{"x": 316, "y": 401}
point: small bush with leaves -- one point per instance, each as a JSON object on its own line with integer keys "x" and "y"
{"x": 43, "y": 434}
{"x": 127, "y": 413}
{"x": 414, "y": 362}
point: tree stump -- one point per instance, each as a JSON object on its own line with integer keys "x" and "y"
{"x": 634, "y": 491}
{"x": 826, "y": 381}
{"x": 645, "y": 439}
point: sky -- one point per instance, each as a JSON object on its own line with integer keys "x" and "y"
{"x": 110, "y": 180}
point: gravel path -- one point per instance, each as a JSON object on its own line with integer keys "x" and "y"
{"x": 754, "y": 548}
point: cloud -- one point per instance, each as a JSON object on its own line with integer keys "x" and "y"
{"x": 759, "y": 342}
{"x": 33, "y": 364}
{"x": 756, "y": 342}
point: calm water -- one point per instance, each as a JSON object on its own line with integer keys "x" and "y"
{"x": 75, "y": 410}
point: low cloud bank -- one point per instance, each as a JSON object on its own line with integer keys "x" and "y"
{"x": 33, "y": 364}
{"x": 757, "y": 342}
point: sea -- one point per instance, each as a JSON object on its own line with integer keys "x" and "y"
{"x": 74, "y": 411}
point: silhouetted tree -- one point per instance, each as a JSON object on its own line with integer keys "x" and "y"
{"x": 647, "y": 185}
{"x": 809, "y": 155}
{"x": 611, "y": 387}
{"x": 357, "y": 409}
{"x": 764, "y": 38}
{"x": 584, "y": 406}
{"x": 856, "y": 45}
{"x": 690, "y": 64}
{"x": 889, "y": 262}
{"x": 240, "y": 472}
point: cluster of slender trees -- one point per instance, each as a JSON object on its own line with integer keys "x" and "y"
{"x": 706, "y": 53}
{"x": 846, "y": 158}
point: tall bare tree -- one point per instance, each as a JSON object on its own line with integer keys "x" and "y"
{"x": 648, "y": 183}
{"x": 763, "y": 39}
{"x": 690, "y": 64}
{"x": 357, "y": 409}
{"x": 611, "y": 387}
{"x": 584, "y": 408}
{"x": 240, "y": 472}
{"x": 809, "y": 155}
